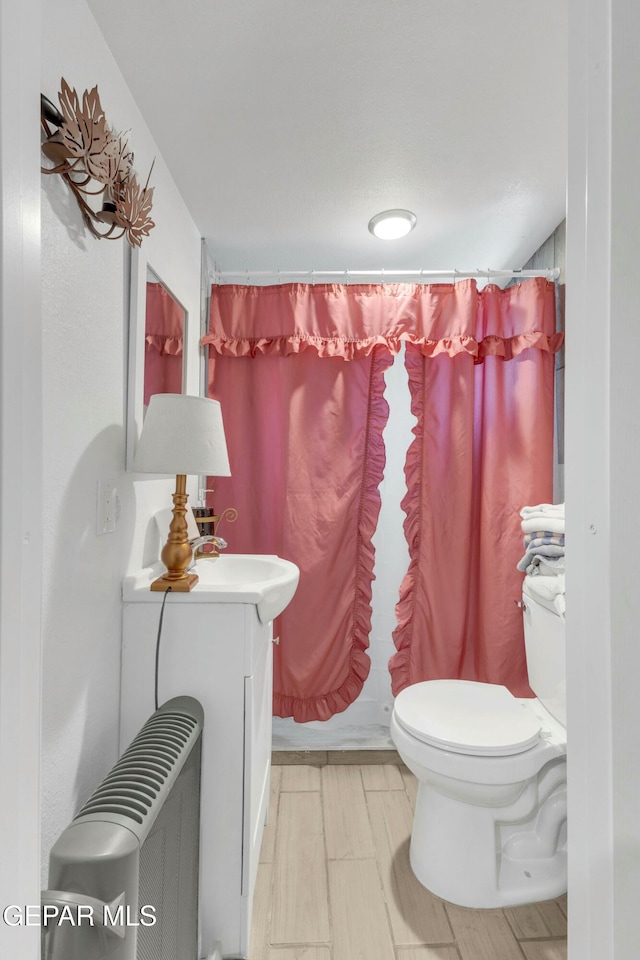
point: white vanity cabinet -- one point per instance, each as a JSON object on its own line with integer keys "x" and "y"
{"x": 220, "y": 653}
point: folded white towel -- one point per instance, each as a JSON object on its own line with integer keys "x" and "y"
{"x": 543, "y": 509}
{"x": 548, "y": 524}
{"x": 548, "y": 588}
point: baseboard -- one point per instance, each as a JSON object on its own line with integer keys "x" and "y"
{"x": 321, "y": 758}
{"x": 330, "y": 735}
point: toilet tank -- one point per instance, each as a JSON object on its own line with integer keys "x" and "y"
{"x": 544, "y": 639}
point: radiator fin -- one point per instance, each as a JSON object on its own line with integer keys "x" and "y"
{"x": 143, "y": 769}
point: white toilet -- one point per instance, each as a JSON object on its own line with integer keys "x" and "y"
{"x": 489, "y": 828}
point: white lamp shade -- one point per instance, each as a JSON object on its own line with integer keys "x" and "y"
{"x": 182, "y": 434}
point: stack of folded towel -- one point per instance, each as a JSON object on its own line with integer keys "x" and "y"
{"x": 543, "y": 528}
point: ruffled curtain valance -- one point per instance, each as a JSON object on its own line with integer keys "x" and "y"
{"x": 164, "y": 322}
{"x": 350, "y": 321}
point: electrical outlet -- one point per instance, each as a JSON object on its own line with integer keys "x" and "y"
{"x": 107, "y": 506}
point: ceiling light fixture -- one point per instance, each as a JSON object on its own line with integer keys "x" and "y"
{"x": 392, "y": 224}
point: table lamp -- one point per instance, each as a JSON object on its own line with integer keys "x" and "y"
{"x": 181, "y": 434}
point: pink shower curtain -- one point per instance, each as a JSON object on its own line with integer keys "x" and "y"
{"x": 299, "y": 372}
{"x": 483, "y": 448}
{"x": 164, "y": 331}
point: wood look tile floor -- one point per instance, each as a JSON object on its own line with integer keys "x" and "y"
{"x": 334, "y": 881}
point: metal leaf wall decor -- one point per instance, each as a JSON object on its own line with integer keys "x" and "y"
{"x": 97, "y": 164}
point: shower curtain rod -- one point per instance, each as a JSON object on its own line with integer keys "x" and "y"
{"x": 278, "y": 276}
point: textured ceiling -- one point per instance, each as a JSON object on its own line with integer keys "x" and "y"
{"x": 287, "y": 124}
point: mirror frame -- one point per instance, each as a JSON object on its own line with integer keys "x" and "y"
{"x": 136, "y": 354}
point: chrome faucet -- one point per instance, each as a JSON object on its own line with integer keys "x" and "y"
{"x": 218, "y": 544}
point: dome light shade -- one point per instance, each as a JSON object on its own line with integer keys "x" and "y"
{"x": 392, "y": 224}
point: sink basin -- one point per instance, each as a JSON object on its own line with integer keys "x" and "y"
{"x": 267, "y": 581}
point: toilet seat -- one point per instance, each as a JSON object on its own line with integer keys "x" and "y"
{"x": 467, "y": 717}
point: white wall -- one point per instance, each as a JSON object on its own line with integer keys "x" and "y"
{"x": 602, "y": 468}
{"x": 21, "y": 472}
{"x": 85, "y": 315}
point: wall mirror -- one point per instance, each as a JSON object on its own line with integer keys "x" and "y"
{"x": 157, "y": 344}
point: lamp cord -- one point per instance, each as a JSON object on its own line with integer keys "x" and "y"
{"x": 167, "y": 592}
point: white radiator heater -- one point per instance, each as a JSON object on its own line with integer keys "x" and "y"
{"x": 123, "y": 876}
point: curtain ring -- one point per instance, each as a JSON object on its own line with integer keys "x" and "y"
{"x": 313, "y": 278}
{"x": 248, "y": 282}
{"x": 279, "y": 278}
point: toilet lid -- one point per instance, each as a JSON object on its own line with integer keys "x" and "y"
{"x": 467, "y": 717}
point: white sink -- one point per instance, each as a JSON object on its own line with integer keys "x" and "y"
{"x": 267, "y": 581}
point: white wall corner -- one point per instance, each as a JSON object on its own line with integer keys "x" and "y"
{"x": 21, "y": 477}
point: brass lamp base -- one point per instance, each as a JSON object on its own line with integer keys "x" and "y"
{"x": 176, "y": 553}
{"x": 183, "y": 585}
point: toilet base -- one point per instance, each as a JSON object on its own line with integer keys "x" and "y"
{"x": 524, "y": 882}
{"x": 472, "y": 856}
